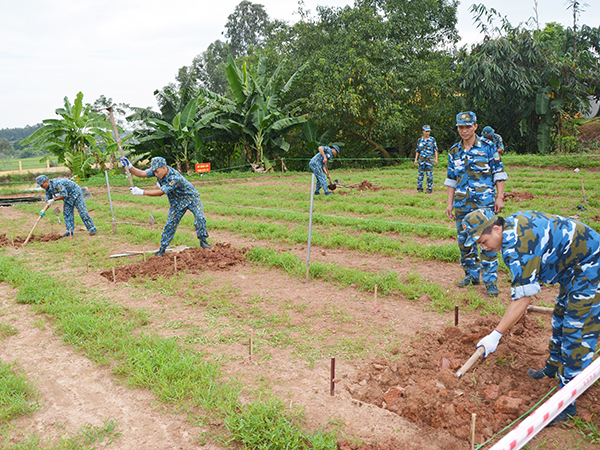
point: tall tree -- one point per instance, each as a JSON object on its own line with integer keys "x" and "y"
{"x": 526, "y": 82}
{"x": 245, "y": 27}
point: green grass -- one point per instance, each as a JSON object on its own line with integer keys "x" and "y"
{"x": 17, "y": 396}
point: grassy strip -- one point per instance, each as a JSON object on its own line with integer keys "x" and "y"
{"x": 109, "y": 333}
{"x": 413, "y": 288}
{"x": 17, "y": 397}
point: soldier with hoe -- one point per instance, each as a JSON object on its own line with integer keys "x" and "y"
{"x": 182, "y": 195}
{"x": 72, "y": 196}
{"x": 545, "y": 248}
{"x": 318, "y": 166}
{"x": 475, "y": 179}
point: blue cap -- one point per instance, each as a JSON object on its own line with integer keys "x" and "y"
{"x": 337, "y": 147}
{"x": 466, "y": 118}
{"x": 487, "y": 131}
{"x": 157, "y": 162}
{"x": 475, "y": 222}
{"x": 426, "y": 128}
{"x": 40, "y": 179}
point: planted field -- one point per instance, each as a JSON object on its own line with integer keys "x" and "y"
{"x": 233, "y": 346}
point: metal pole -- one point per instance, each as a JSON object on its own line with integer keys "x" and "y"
{"x": 118, "y": 139}
{"x": 114, "y": 226}
{"x": 312, "y": 202}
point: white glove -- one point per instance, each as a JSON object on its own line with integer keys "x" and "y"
{"x": 158, "y": 184}
{"x": 136, "y": 190}
{"x": 49, "y": 202}
{"x": 126, "y": 163}
{"x": 490, "y": 342}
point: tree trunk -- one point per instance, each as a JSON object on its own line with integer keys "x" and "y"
{"x": 378, "y": 147}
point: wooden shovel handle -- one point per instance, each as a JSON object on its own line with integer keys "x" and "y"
{"x": 46, "y": 206}
{"x": 474, "y": 357}
{"x": 118, "y": 139}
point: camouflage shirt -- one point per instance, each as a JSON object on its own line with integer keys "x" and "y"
{"x": 497, "y": 140}
{"x": 62, "y": 186}
{"x": 318, "y": 158}
{"x": 426, "y": 149}
{"x": 181, "y": 192}
{"x": 544, "y": 248}
{"x": 474, "y": 173}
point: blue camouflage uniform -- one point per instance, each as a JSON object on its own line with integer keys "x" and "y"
{"x": 474, "y": 173}
{"x": 316, "y": 167}
{"x": 73, "y": 199}
{"x": 426, "y": 149}
{"x": 490, "y": 134}
{"x": 544, "y": 248}
{"x": 183, "y": 196}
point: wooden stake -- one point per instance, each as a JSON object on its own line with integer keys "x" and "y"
{"x": 144, "y": 255}
{"x": 473, "y": 417}
{"x": 175, "y": 262}
{"x": 583, "y": 192}
{"x": 251, "y": 343}
{"x": 455, "y": 315}
{"x": 114, "y": 276}
{"x": 332, "y": 385}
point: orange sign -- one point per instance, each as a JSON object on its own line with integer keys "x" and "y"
{"x": 202, "y": 167}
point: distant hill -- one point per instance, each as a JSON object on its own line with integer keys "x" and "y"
{"x": 16, "y": 135}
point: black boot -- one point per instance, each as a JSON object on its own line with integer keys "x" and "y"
{"x": 161, "y": 251}
{"x": 565, "y": 415}
{"x": 549, "y": 371}
{"x": 204, "y": 244}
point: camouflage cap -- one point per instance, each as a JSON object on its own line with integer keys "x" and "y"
{"x": 487, "y": 131}
{"x": 157, "y": 162}
{"x": 426, "y": 128}
{"x": 337, "y": 147}
{"x": 475, "y": 222}
{"x": 466, "y": 118}
{"x": 40, "y": 179}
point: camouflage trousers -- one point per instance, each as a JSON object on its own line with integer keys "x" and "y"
{"x": 472, "y": 264}
{"x": 174, "y": 217}
{"x": 422, "y": 173}
{"x": 69, "y": 210}
{"x": 575, "y": 327}
{"x": 317, "y": 169}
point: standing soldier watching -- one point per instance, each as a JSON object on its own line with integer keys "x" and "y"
{"x": 544, "y": 248}
{"x": 182, "y": 195}
{"x": 475, "y": 179}
{"x": 426, "y": 155}
{"x": 72, "y": 196}
{"x": 318, "y": 166}
{"x": 490, "y": 134}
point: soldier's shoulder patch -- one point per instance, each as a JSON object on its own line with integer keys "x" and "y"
{"x": 464, "y": 225}
{"x": 496, "y": 156}
{"x": 171, "y": 183}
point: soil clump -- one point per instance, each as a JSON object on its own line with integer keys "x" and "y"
{"x": 424, "y": 388}
{"x": 518, "y": 196}
{"x": 193, "y": 260}
{"x": 18, "y": 240}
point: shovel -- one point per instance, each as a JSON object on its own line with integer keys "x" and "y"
{"x": 337, "y": 182}
{"x": 151, "y": 222}
{"x": 46, "y": 206}
{"x": 331, "y": 186}
{"x": 474, "y": 357}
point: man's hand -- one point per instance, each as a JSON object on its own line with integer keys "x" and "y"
{"x": 499, "y": 204}
{"x": 449, "y": 213}
{"x": 126, "y": 163}
{"x": 136, "y": 190}
{"x": 490, "y": 342}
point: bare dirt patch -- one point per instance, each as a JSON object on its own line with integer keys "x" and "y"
{"x": 18, "y": 240}
{"x": 518, "y": 196}
{"x": 193, "y": 260}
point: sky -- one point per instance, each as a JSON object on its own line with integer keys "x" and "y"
{"x": 125, "y": 49}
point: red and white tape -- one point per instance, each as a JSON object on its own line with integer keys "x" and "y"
{"x": 531, "y": 426}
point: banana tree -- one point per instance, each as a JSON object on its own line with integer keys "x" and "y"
{"x": 79, "y": 131}
{"x": 255, "y": 117}
{"x": 182, "y": 134}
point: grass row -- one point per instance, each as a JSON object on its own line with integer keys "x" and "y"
{"x": 110, "y": 334}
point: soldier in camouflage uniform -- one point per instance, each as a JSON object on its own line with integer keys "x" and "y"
{"x": 475, "y": 179}
{"x": 426, "y": 155}
{"x": 72, "y": 196}
{"x": 182, "y": 195}
{"x": 318, "y": 166}
{"x": 544, "y": 248}
{"x": 490, "y": 134}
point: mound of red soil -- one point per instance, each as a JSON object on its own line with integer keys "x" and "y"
{"x": 6, "y": 242}
{"x": 518, "y": 196}
{"x": 367, "y": 186}
{"x": 424, "y": 388}
{"x": 193, "y": 260}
